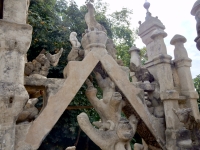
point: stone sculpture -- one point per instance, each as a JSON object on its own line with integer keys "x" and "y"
{"x": 142, "y": 74}
{"x": 74, "y": 41}
{"x": 164, "y": 104}
{"x": 76, "y": 53}
{"x": 91, "y": 22}
{"x": 39, "y": 67}
{"x": 114, "y": 132}
{"x": 29, "y": 112}
{"x": 117, "y": 139}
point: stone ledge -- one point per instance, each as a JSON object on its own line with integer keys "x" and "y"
{"x": 42, "y": 82}
{"x": 183, "y": 63}
{"x": 145, "y": 86}
{"x": 169, "y": 95}
{"x": 158, "y": 60}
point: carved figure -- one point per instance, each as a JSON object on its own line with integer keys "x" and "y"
{"x": 108, "y": 109}
{"x": 117, "y": 139}
{"x": 76, "y": 53}
{"x": 41, "y": 64}
{"x": 114, "y": 132}
{"x": 189, "y": 136}
{"x": 30, "y": 112}
{"x": 91, "y": 22}
{"x": 74, "y": 41}
{"x": 142, "y": 74}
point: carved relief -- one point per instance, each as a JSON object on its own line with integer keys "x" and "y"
{"x": 114, "y": 132}
{"x": 39, "y": 67}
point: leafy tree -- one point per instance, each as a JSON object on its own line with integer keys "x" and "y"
{"x": 197, "y": 86}
{"x": 123, "y": 35}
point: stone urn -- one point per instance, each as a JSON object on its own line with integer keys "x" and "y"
{"x": 94, "y": 40}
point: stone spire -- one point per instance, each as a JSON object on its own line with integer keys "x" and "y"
{"x": 148, "y": 26}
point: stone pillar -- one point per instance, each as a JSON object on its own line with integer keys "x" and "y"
{"x": 135, "y": 56}
{"x": 183, "y": 64}
{"x": 145, "y": 31}
{"x": 15, "y": 39}
{"x": 196, "y": 12}
{"x": 159, "y": 65}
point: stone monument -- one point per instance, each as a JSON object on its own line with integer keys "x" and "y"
{"x": 160, "y": 103}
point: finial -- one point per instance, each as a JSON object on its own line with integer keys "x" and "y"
{"x": 146, "y": 5}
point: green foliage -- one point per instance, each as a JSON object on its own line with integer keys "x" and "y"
{"x": 197, "y": 87}
{"x": 143, "y": 55}
{"x": 123, "y": 36}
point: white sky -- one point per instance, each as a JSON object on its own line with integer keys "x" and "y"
{"x": 174, "y": 14}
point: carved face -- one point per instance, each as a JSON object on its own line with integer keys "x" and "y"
{"x": 125, "y": 131}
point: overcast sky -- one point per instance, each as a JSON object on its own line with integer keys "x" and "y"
{"x": 174, "y": 14}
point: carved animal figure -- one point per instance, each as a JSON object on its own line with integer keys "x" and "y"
{"x": 91, "y": 22}
{"x": 111, "y": 139}
{"x": 109, "y": 109}
{"x": 114, "y": 132}
{"x": 74, "y": 41}
{"x": 76, "y": 53}
{"x": 41, "y": 64}
{"x": 30, "y": 112}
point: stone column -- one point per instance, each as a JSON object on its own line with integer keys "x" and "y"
{"x": 15, "y": 39}
{"x": 159, "y": 65}
{"x": 183, "y": 64}
{"x": 135, "y": 56}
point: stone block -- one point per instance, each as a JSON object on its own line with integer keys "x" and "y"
{"x": 16, "y": 11}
